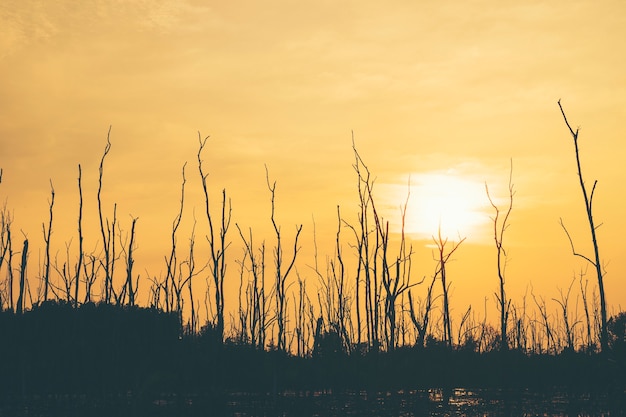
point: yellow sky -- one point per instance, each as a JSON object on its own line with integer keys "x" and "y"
{"x": 431, "y": 89}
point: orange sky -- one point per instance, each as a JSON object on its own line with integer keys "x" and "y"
{"x": 440, "y": 92}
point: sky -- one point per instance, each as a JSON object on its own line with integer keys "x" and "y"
{"x": 439, "y": 97}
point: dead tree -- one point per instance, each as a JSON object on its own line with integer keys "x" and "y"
{"x": 130, "y": 262}
{"x": 171, "y": 262}
{"x": 5, "y": 249}
{"x": 258, "y": 314}
{"x": 47, "y": 233}
{"x": 498, "y": 235}
{"x": 588, "y": 199}
{"x": 108, "y": 234}
{"x": 79, "y": 264}
{"x": 545, "y": 323}
{"x": 368, "y": 256}
{"x": 188, "y": 280}
{"x": 217, "y": 241}
{"x": 569, "y": 327}
{"x": 395, "y": 277}
{"x": 421, "y": 319}
{"x": 20, "y": 296}
{"x": 281, "y": 275}
{"x": 91, "y": 268}
{"x": 333, "y": 294}
{"x": 442, "y": 259}
{"x": 583, "y": 293}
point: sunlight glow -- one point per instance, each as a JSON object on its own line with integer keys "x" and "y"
{"x": 456, "y": 205}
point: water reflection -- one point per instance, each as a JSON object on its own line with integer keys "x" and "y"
{"x": 431, "y": 402}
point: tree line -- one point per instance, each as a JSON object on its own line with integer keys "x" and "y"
{"x": 363, "y": 298}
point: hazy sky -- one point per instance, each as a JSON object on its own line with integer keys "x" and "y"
{"x": 446, "y": 93}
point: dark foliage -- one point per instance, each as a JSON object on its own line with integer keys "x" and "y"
{"x": 108, "y": 351}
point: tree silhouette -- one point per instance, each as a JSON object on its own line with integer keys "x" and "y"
{"x": 588, "y": 198}
{"x": 498, "y": 234}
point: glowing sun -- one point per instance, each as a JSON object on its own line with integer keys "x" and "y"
{"x": 455, "y": 205}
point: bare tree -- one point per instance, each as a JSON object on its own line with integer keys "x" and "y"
{"x": 395, "y": 277}
{"x": 583, "y": 292}
{"x": 217, "y": 244}
{"x": 258, "y": 314}
{"x": 20, "y": 296}
{"x": 545, "y": 323}
{"x": 368, "y": 256}
{"x": 130, "y": 262}
{"x": 108, "y": 234}
{"x": 442, "y": 259}
{"x": 588, "y": 198}
{"x": 79, "y": 264}
{"x": 91, "y": 268}
{"x": 172, "y": 261}
{"x": 6, "y": 253}
{"x": 569, "y": 327}
{"x": 333, "y": 298}
{"x": 498, "y": 234}
{"x": 188, "y": 280}
{"x": 421, "y": 318}
{"x": 46, "y": 237}
{"x": 281, "y": 275}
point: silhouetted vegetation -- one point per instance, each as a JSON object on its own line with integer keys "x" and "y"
{"x": 111, "y": 350}
{"x": 78, "y": 327}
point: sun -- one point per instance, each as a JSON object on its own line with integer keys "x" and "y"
{"x": 447, "y": 203}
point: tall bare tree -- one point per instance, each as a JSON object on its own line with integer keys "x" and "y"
{"x": 130, "y": 262}
{"x": 368, "y": 248}
{"x": 47, "y": 233}
{"x": 421, "y": 318}
{"x": 569, "y": 326}
{"x": 443, "y": 258}
{"x": 79, "y": 264}
{"x": 5, "y": 250}
{"x": 108, "y": 233}
{"x": 588, "y": 199}
{"x": 280, "y": 289}
{"x": 20, "y": 296}
{"x": 499, "y": 227}
{"x": 217, "y": 240}
{"x": 395, "y": 276}
{"x": 172, "y": 261}
{"x": 256, "y": 297}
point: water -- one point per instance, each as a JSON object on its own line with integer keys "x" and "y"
{"x": 432, "y": 402}
{"x": 429, "y": 402}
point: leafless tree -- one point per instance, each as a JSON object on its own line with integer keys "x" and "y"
{"x": 172, "y": 261}
{"x": 256, "y": 296}
{"x": 421, "y": 318}
{"x": 583, "y": 291}
{"x": 281, "y": 275}
{"x": 79, "y": 264}
{"x": 187, "y": 279}
{"x": 499, "y": 227}
{"x": 395, "y": 277}
{"x": 130, "y": 262}
{"x": 47, "y": 233}
{"x": 91, "y": 268}
{"x": 217, "y": 241}
{"x": 545, "y": 323}
{"x": 6, "y": 253}
{"x": 588, "y": 198}
{"x": 442, "y": 259}
{"x": 368, "y": 250}
{"x": 303, "y": 332}
{"x": 333, "y": 297}
{"x": 569, "y": 327}
{"x": 108, "y": 233}
{"x": 20, "y": 296}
